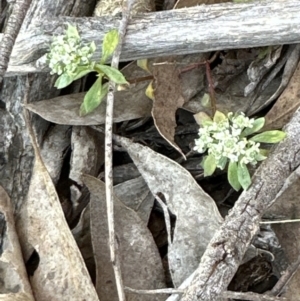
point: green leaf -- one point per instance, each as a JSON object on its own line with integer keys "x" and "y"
{"x": 110, "y": 42}
{"x": 257, "y": 125}
{"x": 63, "y": 81}
{"x": 93, "y": 97}
{"x": 219, "y": 116}
{"x": 205, "y": 100}
{"x": 82, "y": 71}
{"x": 232, "y": 176}
{"x": 243, "y": 176}
{"x": 222, "y": 162}
{"x": 209, "y": 165}
{"x": 113, "y": 74}
{"x": 72, "y": 31}
{"x": 143, "y": 63}
{"x": 201, "y": 117}
{"x": 150, "y": 91}
{"x": 269, "y": 137}
{"x": 264, "y": 152}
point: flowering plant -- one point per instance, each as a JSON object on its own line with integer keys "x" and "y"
{"x": 71, "y": 59}
{"x": 225, "y": 140}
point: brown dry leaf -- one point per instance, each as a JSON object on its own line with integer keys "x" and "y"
{"x": 197, "y": 216}
{"x": 167, "y": 99}
{"x": 286, "y": 105}
{"x": 141, "y": 265}
{"x": 61, "y": 273}
{"x": 14, "y": 283}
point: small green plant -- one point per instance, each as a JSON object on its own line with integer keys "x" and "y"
{"x": 225, "y": 139}
{"x": 71, "y": 59}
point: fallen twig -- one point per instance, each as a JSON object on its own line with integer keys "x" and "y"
{"x": 108, "y": 157}
{"x": 12, "y": 29}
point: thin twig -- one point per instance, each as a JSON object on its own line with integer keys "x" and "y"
{"x": 11, "y": 32}
{"x": 108, "y": 156}
{"x": 284, "y": 221}
{"x": 227, "y": 294}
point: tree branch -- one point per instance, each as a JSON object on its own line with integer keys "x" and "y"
{"x": 12, "y": 29}
{"x": 189, "y": 30}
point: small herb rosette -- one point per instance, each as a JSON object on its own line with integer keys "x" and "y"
{"x": 226, "y": 141}
{"x": 71, "y": 59}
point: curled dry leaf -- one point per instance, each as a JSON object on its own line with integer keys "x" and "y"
{"x": 289, "y": 60}
{"x": 14, "y": 280}
{"x": 61, "y": 273}
{"x": 141, "y": 265}
{"x": 286, "y": 105}
{"x": 167, "y": 99}
{"x": 197, "y": 216}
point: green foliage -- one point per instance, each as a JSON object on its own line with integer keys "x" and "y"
{"x": 70, "y": 58}
{"x": 225, "y": 140}
{"x": 110, "y": 42}
{"x": 269, "y": 137}
{"x": 209, "y": 165}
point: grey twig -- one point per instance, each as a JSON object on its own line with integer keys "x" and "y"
{"x": 11, "y": 32}
{"x": 108, "y": 157}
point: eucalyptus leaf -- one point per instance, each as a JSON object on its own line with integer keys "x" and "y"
{"x": 232, "y": 176}
{"x": 113, "y": 74}
{"x": 219, "y": 116}
{"x": 243, "y": 176}
{"x": 269, "y": 137}
{"x": 257, "y": 125}
{"x": 63, "y": 81}
{"x": 93, "y": 97}
{"x": 110, "y": 42}
{"x": 209, "y": 165}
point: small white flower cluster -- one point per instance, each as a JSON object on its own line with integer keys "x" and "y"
{"x": 223, "y": 141}
{"x": 67, "y": 53}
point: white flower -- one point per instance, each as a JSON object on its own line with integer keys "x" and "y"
{"x": 67, "y": 53}
{"x": 222, "y": 140}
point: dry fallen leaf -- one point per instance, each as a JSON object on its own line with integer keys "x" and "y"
{"x": 286, "y": 105}
{"x": 197, "y": 216}
{"x": 140, "y": 261}
{"x": 14, "y": 280}
{"x": 136, "y": 195}
{"x": 61, "y": 273}
{"x": 130, "y": 104}
{"x": 167, "y": 99}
